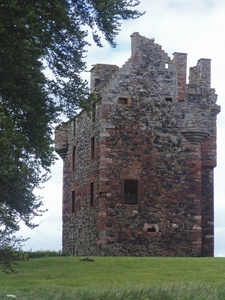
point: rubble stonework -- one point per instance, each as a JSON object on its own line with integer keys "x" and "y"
{"x": 138, "y": 171}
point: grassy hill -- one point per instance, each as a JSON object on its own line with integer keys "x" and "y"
{"x": 117, "y": 278}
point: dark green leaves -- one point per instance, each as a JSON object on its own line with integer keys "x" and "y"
{"x": 37, "y": 38}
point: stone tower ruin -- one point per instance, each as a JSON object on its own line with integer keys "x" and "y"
{"x": 138, "y": 171}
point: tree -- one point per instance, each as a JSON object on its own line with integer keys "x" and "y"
{"x": 11, "y": 250}
{"x": 39, "y": 35}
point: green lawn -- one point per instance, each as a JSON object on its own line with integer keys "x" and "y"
{"x": 116, "y": 278}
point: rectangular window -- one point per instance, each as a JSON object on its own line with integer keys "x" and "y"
{"x": 123, "y": 100}
{"x": 92, "y": 148}
{"x": 93, "y": 112}
{"x": 91, "y": 194}
{"x": 74, "y": 126}
{"x": 73, "y": 207}
{"x": 169, "y": 99}
{"x": 130, "y": 191}
{"x": 73, "y": 158}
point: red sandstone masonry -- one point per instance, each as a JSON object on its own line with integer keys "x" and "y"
{"x": 180, "y": 60}
{"x": 152, "y": 127}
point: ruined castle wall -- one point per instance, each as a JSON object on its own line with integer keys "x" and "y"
{"x": 151, "y": 129}
{"x": 155, "y": 138}
{"x": 79, "y": 219}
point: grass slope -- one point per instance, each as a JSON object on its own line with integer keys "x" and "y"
{"x": 143, "y": 278}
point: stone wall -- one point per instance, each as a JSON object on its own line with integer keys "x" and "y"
{"x": 153, "y": 128}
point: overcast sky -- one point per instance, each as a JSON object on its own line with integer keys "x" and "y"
{"x": 195, "y": 27}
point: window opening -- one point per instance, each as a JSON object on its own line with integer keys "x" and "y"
{"x": 74, "y": 126}
{"x": 93, "y": 112}
{"x": 151, "y": 229}
{"x": 73, "y": 158}
{"x": 91, "y": 194}
{"x": 123, "y": 100}
{"x": 73, "y": 207}
{"x": 130, "y": 192}
{"x": 168, "y": 99}
{"x": 92, "y": 148}
{"x": 166, "y": 66}
{"x": 97, "y": 81}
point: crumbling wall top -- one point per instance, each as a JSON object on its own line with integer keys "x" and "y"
{"x": 201, "y": 73}
{"x": 100, "y": 76}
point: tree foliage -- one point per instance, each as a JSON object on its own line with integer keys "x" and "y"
{"x": 38, "y": 36}
{"x": 11, "y": 250}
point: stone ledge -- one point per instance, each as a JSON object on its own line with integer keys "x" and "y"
{"x": 195, "y": 136}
